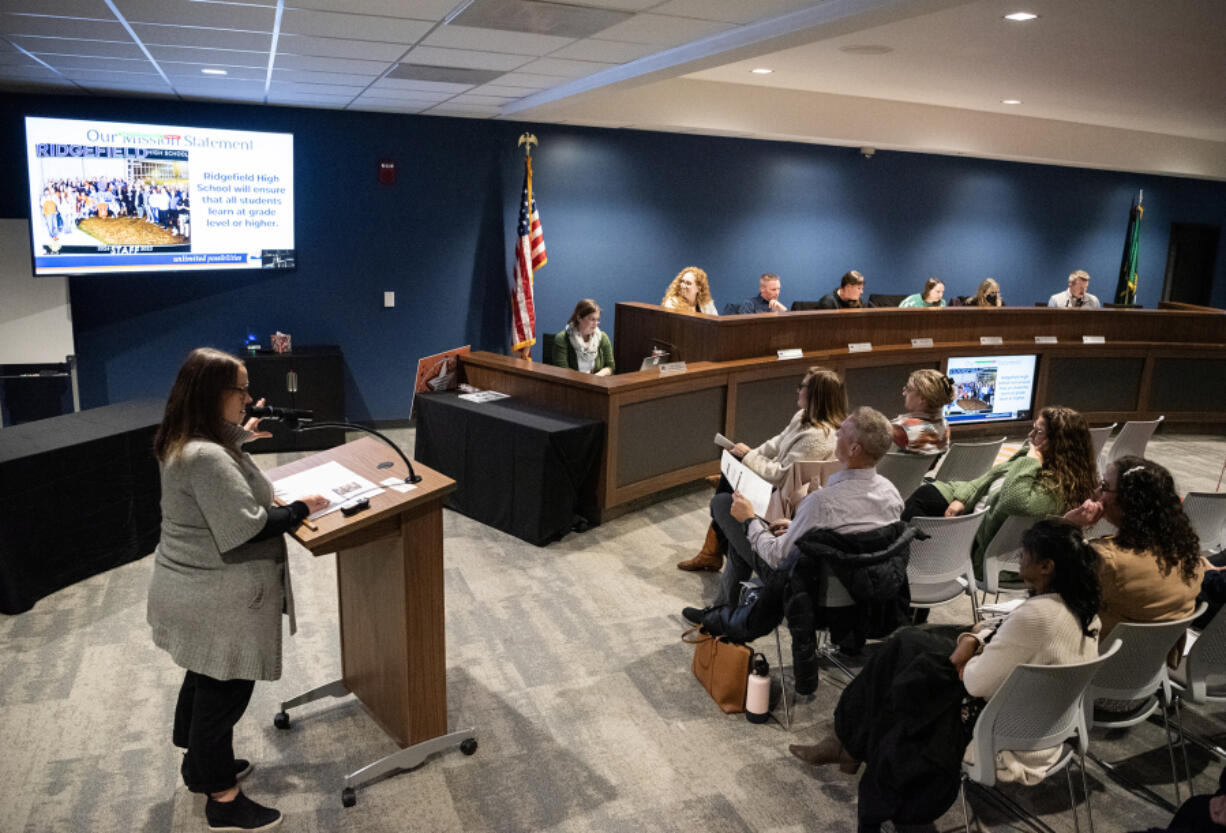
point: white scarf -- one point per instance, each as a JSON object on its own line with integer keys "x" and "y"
{"x": 585, "y": 349}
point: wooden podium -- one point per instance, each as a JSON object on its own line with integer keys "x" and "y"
{"x": 389, "y": 570}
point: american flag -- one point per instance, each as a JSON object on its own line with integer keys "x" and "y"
{"x": 529, "y": 256}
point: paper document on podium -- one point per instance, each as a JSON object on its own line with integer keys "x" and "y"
{"x": 332, "y": 480}
{"x": 747, "y": 482}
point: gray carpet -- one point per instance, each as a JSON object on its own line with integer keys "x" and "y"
{"x": 567, "y": 660}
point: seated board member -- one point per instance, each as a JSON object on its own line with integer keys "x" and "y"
{"x": 1076, "y": 296}
{"x": 767, "y": 299}
{"x": 932, "y": 296}
{"x": 689, "y": 293}
{"x": 854, "y": 499}
{"x": 987, "y": 296}
{"x": 849, "y": 295}
{"x": 582, "y": 345}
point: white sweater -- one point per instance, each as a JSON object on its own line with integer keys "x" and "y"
{"x": 798, "y": 441}
{"x": 1041, "y": 631}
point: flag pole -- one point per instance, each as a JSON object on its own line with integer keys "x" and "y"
{"x": 528, "y": 259}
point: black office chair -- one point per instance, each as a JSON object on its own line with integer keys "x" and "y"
{"x": 885, "y": 300}
{"x": 547, "y": 348}
{"x": 803, "y": 306}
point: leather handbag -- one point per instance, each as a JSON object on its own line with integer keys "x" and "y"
{"x": 722, "y": 667}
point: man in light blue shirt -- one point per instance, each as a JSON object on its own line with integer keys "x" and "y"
{"x": 856, "y": 499}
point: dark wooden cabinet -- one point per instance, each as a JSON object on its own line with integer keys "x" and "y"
{"x": 310, "y": 378}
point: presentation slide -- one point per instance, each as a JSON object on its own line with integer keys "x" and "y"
{"x": 110, "y": 197}
{"x": 989, "y": 388}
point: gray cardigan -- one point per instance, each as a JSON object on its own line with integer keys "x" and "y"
{"x": 215, "y": 601}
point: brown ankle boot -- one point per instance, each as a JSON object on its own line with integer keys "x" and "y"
{"x": 828, "y": 751}
{"x": 710, "y": 558}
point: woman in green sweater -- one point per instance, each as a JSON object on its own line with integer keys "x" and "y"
{"x": 582, "y": 346}
{"x": 1053, "y": 473}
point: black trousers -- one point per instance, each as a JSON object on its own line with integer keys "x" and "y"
{"x": 204, "y": 725}
{"x": 925, "y": 502}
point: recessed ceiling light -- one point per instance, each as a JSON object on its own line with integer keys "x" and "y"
{"x": 761, "y": 71}
{"x": 1021, "y": 16}
{"x": 866, "y": 49}
{"x": 211, "y": 71}
{"x": 1010, "y": 101}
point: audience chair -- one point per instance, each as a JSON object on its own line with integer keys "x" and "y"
{"x": 1206, "y": 512}
{"x": 905, "y": 471}
{"x": 1139, "y": 672}
{"x": 1099, "y": 437}
{"x": 547, "y": 348}
{"x": 1132, "y": 439}
{"x": 940, "y": 569}
{"x": 803, "y": 476}
{"x": 966, "y": 461}
{"x": 1103, "y": 527}
{"x": 1004, "y": 552}
{"x": 1038, "y": 707}
{"x": 1201, "y": 675}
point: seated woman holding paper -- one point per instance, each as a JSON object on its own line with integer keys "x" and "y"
{"x": 582, "y": 346}
{"x": 809, "y": 435}
{"x": 920, "y": 678}
{"x": 689, "y": 292}
{"x": 1051, "y": 474}
{"x": 922, "y": 429}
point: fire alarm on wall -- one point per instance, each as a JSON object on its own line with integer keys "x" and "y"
{"x": 387, "y": 172}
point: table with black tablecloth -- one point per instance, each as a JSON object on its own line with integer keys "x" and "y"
{"x": 79, "y": 494}
{"x": 518, "y": 468}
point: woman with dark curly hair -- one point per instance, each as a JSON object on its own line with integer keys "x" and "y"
{"x": 1050, "y": 475}
{"x": 904, "y": 714}
{"x": 1151, "y": 568}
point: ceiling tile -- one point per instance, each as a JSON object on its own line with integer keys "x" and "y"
{"x": 322, "y": 89}
{"x": 386, "y": 107}
{"x": 243, "y": 97}
{"x": 210, "y": 38}
{"x": 503, "y": 90}
{"x": 63, "y": 8}
{"x": 564, "y": 68}
{"x": 432, "y": 86}
{"x": 338, "y": 48}
{"x": 493, "y": 40}
{"x": 730, "y": 11}
{"x": 342, "y": 78}
{"x": 85, "y": 75}
{"x": 621, "y": 5}
{"x": 559, "y": 19}
{"x": 219, "y": 87}
{"x": 317, "y": 63}
{"x": 446, "y": 75}
{"x": 662, "y": 30}
{"x": 207, "y": 15}
{"x": 15, "y": 25}
{"x": 62, "y": 46}
{"x": 422, "y": 98}
{"x": 416, "y": 9}
{"x": 607, "y": 51}
{"x": 64, "y": 62}
{"x": 353, "y": 26}
{"x": 30, "y": 73}
{"x": 223, "y": 60}
{"x": 206, "y": 55}
{"x": 531, "y": 80}
{"x": 482, "y": 100}
{"x": 433, "y": 56}
{"x": 464, "y": 111}
{"x": 327, "y": 102}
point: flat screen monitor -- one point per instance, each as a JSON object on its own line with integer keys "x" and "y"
{"x": 110, "y": 197}
{"x": 991, "y": 388}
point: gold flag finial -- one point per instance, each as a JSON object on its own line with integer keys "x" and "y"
{"x": 529, "y": 140}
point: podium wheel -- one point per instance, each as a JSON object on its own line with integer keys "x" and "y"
{"x": 281, "y": 721}
{"x": 348, "y": 797}
{"x": 469, "y": 746}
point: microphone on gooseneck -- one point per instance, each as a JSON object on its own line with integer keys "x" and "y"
{"x": 286, "y": 414}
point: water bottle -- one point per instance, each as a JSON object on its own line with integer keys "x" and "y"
{"x": 758, "y": 691}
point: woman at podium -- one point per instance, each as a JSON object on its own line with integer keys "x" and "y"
{"x": 689, "y": 292}
{"x": 220, "y": 577}
{"x": 582, "y": 345}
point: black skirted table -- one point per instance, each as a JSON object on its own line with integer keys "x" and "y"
{"x": 79, "y": 494}
{"x": 518, "y": 468}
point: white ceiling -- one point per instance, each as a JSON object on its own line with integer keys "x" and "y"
{"x": 1134, "y": 85}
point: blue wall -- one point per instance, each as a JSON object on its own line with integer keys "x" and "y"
{"x": 622, "y": 212}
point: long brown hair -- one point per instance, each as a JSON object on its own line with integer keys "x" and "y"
{"x": 194, "y": 408}
{"x": 826, "y": 402}
{"x": 1069, "y": 470}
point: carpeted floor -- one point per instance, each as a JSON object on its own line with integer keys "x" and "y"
{"x": 568, "y": 661}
